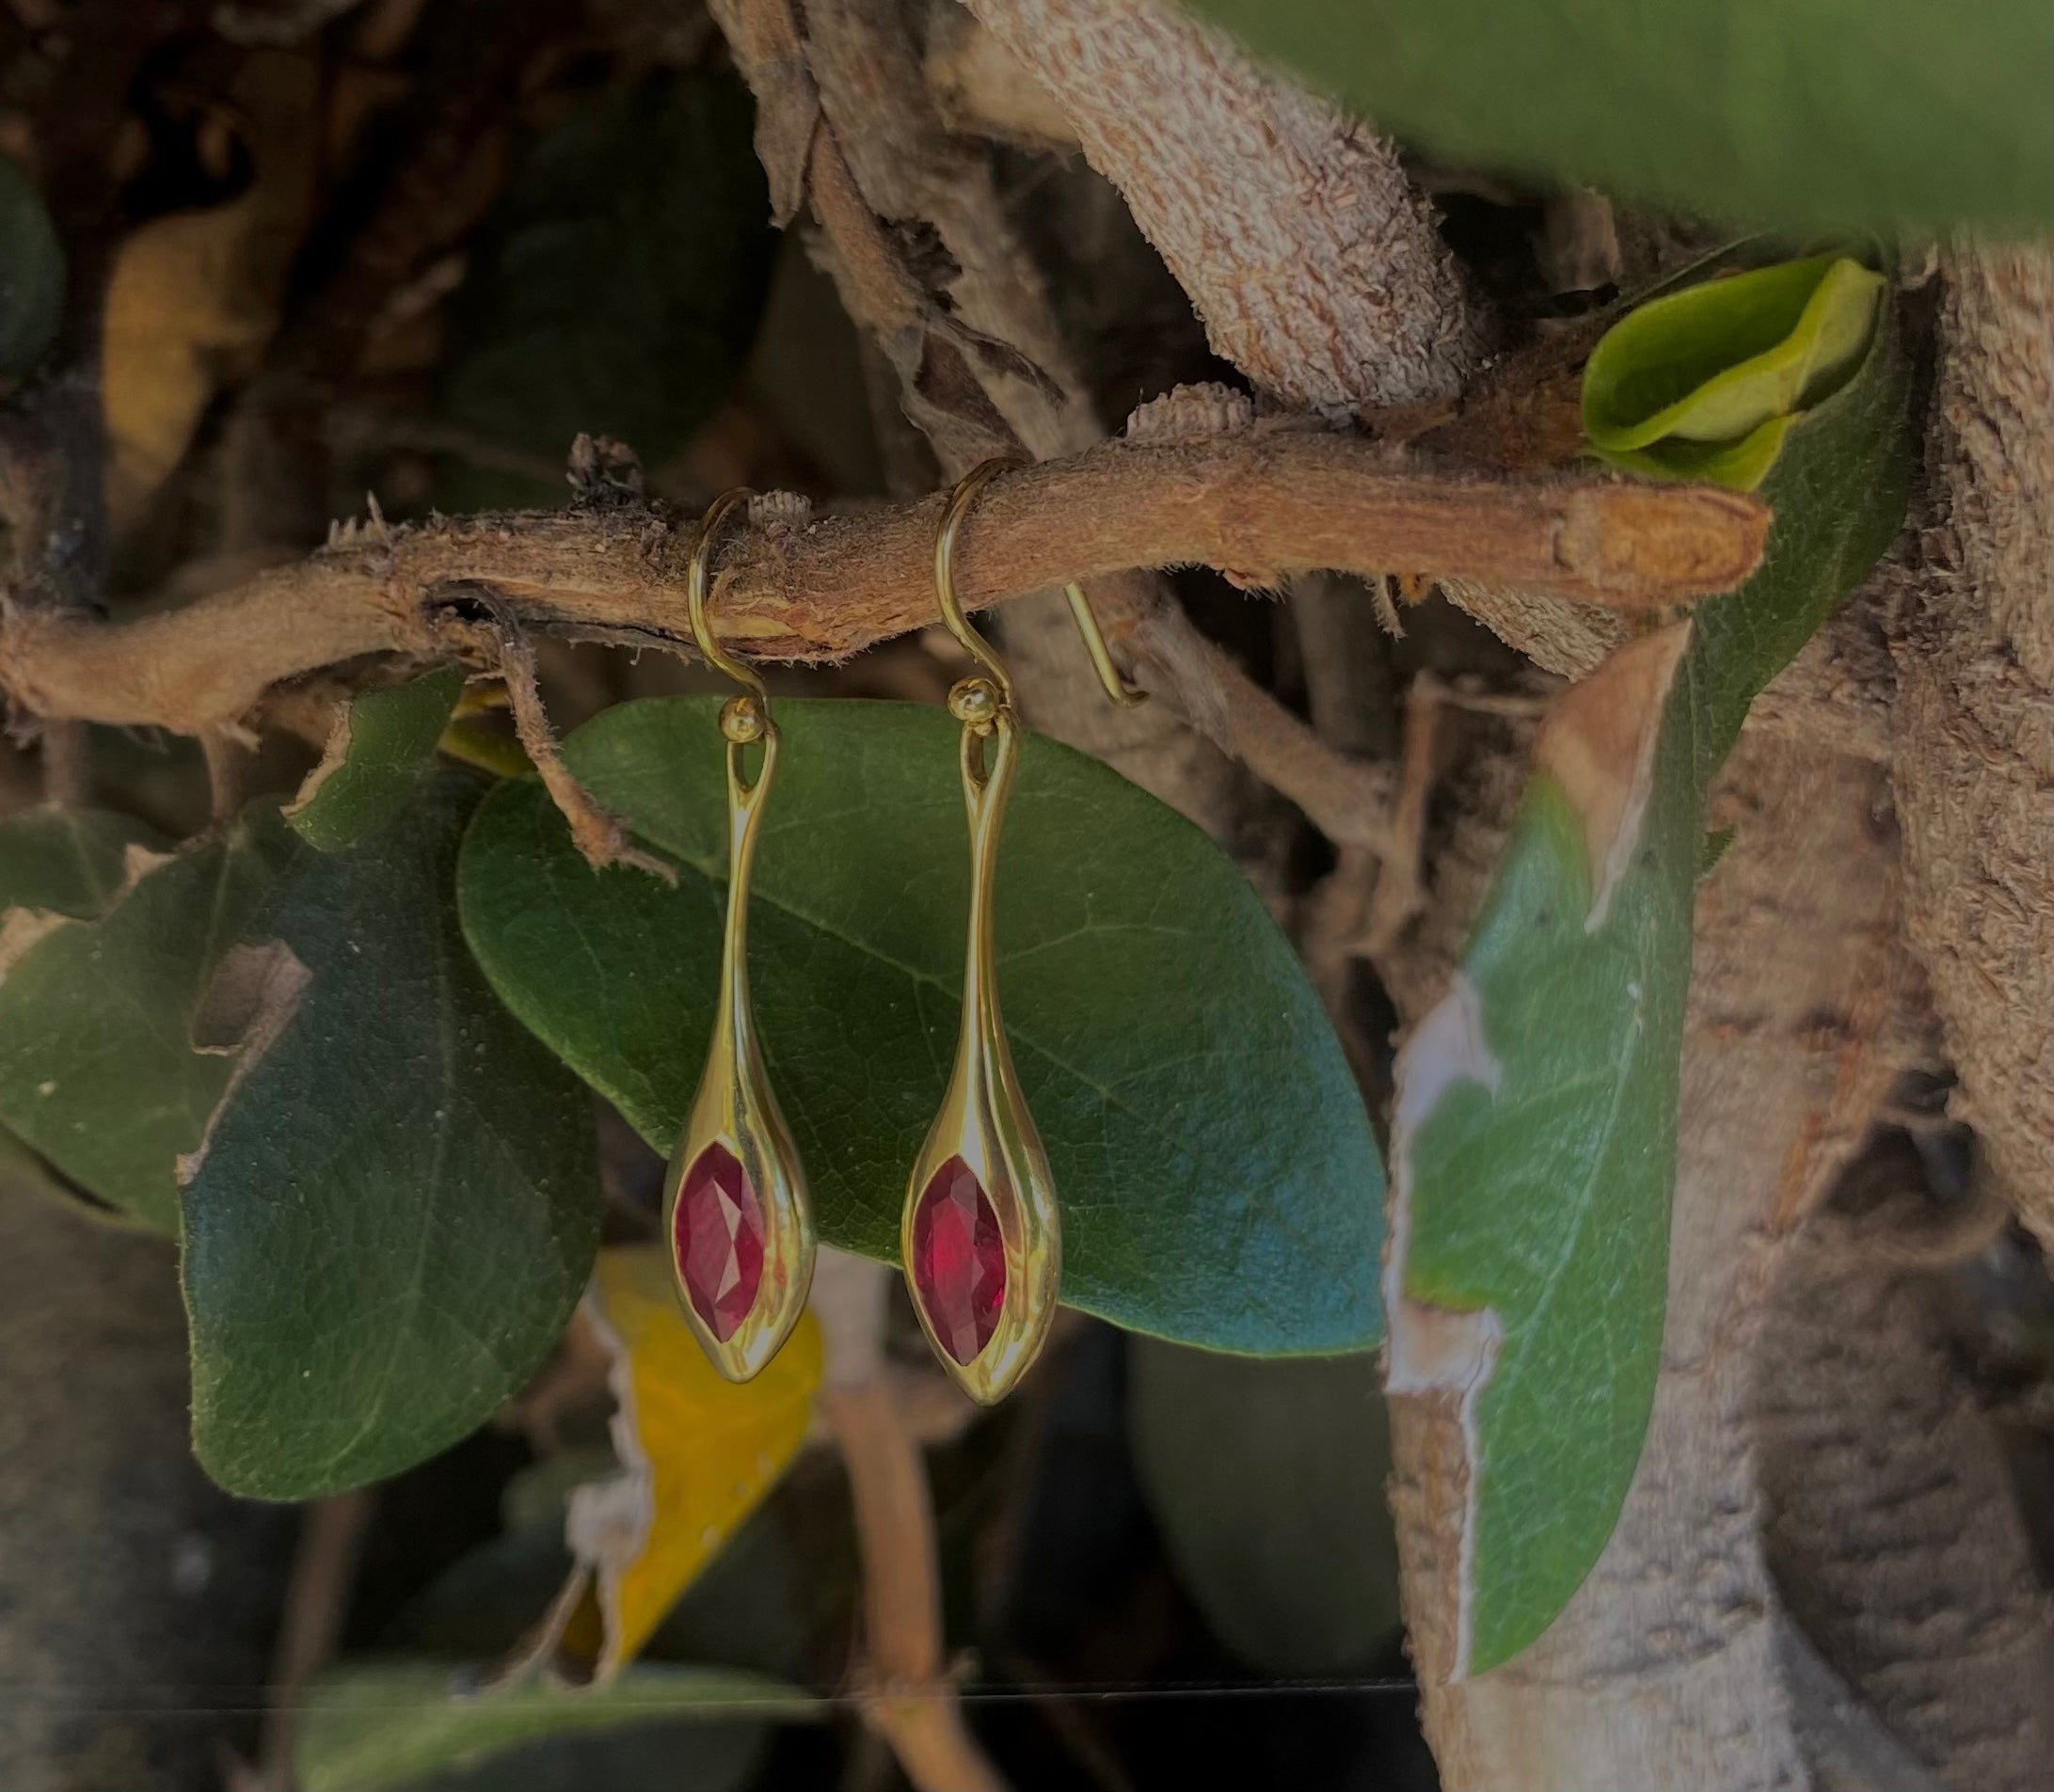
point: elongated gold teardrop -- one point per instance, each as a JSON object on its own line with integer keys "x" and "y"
{"x": 735, "y": 1210}
{"x": 979, "y": 1234}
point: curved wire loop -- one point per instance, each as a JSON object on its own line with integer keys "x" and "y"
{"x": 959, "y": 625}
{"x": 735, "y": 1154}
{"x": 711, "y": 650}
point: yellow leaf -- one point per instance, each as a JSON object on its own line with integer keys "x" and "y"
{"x": 698, "y": 1453}
{"x": 194, "y": 298}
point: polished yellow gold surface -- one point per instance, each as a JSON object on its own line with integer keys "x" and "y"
{"x": 735, "y": 1109}
{"x": 1086, "y": 617}
{"x": 1116, "y": 687}
{"x": 984, "y": 1120}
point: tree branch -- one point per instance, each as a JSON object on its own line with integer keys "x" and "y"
{"x": 1308, "y": 253}
{"x": 601, "y": 837}
{"x": 1260, "y": 506}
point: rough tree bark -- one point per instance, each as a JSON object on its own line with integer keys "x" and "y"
{"x": 1881, "y": 1482}
{"x": 1310, "y": 256}
{"x": 1973, "y": 739}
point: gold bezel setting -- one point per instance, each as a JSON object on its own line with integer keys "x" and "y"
{"x": 984, "y": 1118}
{"x": 734, "y": 1106}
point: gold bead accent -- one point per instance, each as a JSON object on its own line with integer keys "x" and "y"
{"x": 974, "y": 702}
{"x": 741, "y": 719}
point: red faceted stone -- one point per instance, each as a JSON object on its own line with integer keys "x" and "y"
{"x": 716, "y": 1232}
{"x": 959, "y": 1260}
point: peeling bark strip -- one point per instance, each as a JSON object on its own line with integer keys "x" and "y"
{"x": 1599, "y": 745}
{"x": 1310, "y": 256}
{"x": 1263, "y": 504}
{"x": 1438, "y": 1360}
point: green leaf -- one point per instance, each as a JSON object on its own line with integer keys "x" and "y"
{"x": 390, "y": 1204}
{"x": 97, "y": 1068}
{"x": 1806, "y": 113}
{"x": 1267, "y": 1481}
{"x": 70, "y": 861}
{"x": 27, "y": 1173}
{"x": 1534, "y": 1146}
{"x": 1702, "y": 384}
{"x": 370, "y": 770}
{"x": 31, "y": 274}
{"x": 393, "y": 1723}
{"x": 621, "y": 278}
{"x": 1218, "y": 1177}
{"x": 389, "y": 1224}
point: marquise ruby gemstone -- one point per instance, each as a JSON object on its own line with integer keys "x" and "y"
{"x": 959, "y": 1260}
{"x": 716, "y": 1232}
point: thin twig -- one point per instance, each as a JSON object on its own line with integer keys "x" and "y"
{"x": 1401, "y": 890}
{"x": 909, "y": 1701}
{"x": 227, "y": 751}
{"x": 67, "y": 763}
{"x": 906, "y": 1696}
{"x": 1260, "y": 503}
{"x": 317, "y": 1595}
{"x": 599, "y": 834}
{"x": 1347, "y": 800}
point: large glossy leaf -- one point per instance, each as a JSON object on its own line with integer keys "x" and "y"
{"x": 70, "y": 861}
{"x": 1267, "y": 1480}
{"x": 1796, "y": 112}
{"x": 395, "y": 1724}
{"x": 620, "y": 279}
{"x": 100, "y": 1069}
{"x": 1217, "y": 1174}
{"x": 97, "y": 1068}
{"x": 1534, "y": 1149}
{"x": 389, "y": 1221}
{"x": 371, "y": 770}
{"x": 29, "y": 1175}
{"x": 390, "y": 1204}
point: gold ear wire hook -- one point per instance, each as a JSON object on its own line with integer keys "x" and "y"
{"x": 735, "y": 1209}
{"x": 974, "y": 644}
{"x": 980, "y": 1232}
{"x": 695, "y": 593}
{"x": 744, "y": 719}
{"x": 959, "y": 625}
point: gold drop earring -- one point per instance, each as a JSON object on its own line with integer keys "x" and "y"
{"x": 735, "y": 1209}
{"x": 979, "y": 1233}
